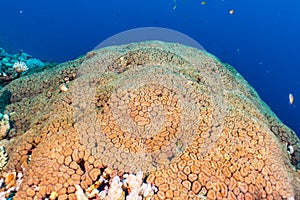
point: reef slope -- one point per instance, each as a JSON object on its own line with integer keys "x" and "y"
{"x": 191, "y": 124}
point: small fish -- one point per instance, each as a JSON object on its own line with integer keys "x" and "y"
{"x": 291, "y": 99}
{"x": 203, "y": 3}
{"x": 175, "y": 6}
{"x": 231, "y": 11}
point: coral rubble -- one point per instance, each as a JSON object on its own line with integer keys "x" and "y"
{"x": 149, "y": 120}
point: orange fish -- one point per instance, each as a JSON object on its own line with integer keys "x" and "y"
{"x": 291, "y": 99}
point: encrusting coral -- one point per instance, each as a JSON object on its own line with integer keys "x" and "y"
{"x": 148, "y": 120}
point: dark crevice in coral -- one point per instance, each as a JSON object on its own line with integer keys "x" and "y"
{"x": 29, "y": 152}
{"x": 81, "y": 164}
{"x": 126, "y": 192}
{"x": 102, "y": 170}
{"x": 102, "y": 186}
{"x": 145, "y": 178}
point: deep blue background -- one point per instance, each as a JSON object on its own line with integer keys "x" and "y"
{"x": 261, "y": 39}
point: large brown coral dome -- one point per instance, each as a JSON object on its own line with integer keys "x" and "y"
{"x": 148, "y": 120}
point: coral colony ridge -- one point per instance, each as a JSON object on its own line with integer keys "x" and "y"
{"x": 149, "y": 120}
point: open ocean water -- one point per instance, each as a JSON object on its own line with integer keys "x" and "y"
{"x": 260, "y": 39}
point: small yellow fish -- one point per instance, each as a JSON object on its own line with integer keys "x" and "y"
{"x": 291, "y": 99}
{"x": 231, "y": 11}
{"x": 203, "y": 2}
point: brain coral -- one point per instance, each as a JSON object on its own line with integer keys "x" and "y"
{"x": 184, "y": 124}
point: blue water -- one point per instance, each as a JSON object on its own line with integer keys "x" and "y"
{"x": 261, "y": 39}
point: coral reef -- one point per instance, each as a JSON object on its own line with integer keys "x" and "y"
{"x": 3, "y": 157}
{"x": 12, "y": 66}
{"x": 20, "y": 67}
{"x": 4, "y": 125}
{"x": 149, "y": 120}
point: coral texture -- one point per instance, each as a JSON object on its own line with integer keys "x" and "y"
{"x": 155, "y": 121}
